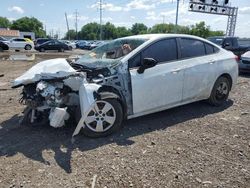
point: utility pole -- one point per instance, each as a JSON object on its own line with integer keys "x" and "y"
{"x": 100, "y": 19}
{"x": 66, "y": 17}
{"x": 177, "y": 14}
{"x": 76, "y": 24}
{"x": 163, "y": 19}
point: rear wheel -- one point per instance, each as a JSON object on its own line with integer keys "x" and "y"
{"x": 104, "y": 119}
{"x": 42, "y": 50}
{"x": 61, "y": 50}
{"x": 1, "y": 49}
{"x": 27, "y": 47}
{"x": 220, "y": 92}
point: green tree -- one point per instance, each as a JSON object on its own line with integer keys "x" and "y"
{"x": 139, "y": 28}
{"x": 109, "y": 31}
{"x": 90, "y": 31}
{"x": 29, "y": 24}
{"x": 200, "y": 29}
{"x": 216, "y": 33}
{"x": 4, "y": 22}
{"x": 123, "y": 32}
{"x": 71, "y": 34}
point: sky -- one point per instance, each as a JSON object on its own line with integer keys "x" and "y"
{"x": 121, "y": 13}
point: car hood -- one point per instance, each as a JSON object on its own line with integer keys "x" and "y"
{"x": 49, "y": 69}
{"x": 98, "y": 63}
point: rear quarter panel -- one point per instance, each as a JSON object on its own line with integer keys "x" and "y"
{"x": 226, "y": 64}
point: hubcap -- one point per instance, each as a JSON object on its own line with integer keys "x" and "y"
{"x": 101, "y": 117}
{"x": 222, "y": 90}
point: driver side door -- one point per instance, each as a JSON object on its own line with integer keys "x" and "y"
{"x": 159, "y": 87}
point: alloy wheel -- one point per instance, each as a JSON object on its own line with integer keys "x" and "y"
{"x": 102, "y": 117}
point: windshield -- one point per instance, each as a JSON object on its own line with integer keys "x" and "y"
{"x": 111, "y": 52}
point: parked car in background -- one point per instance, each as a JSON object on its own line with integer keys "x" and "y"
{"x": 127, "y": 78}
{"x": 19, "y": 43}
{"x": 88, "y": 45}
{"x": 2, "y": 39}
{"x": 231, "y": 44}
{"x": 96, "y": 44}
{"x": 40, "y": 41}
{"x": 3, "y": 46}
{"x": 28, "y": 40}
{"x": 81, "y": 44}
{"x": 244, "y": 63}
{"x": 52, "y": 45}
{"x": 72, "y": 45}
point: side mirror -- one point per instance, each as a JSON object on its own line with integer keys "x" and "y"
{"x": 146, "y": 64}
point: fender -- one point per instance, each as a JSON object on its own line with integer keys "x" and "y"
{"x": 108, "y": 95}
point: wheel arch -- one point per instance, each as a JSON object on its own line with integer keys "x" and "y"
{"x": 113, "y": 93}
{"x": 228, "y": 76}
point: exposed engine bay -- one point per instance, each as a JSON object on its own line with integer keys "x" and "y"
{"x": 60, "y": 90}
{"x": 51, "y": 94}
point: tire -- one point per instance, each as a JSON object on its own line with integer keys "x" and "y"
{"x": 70, "y": 48}
{"x": 1, "y": 49}
{"x": 61, "y": 50}
{"x": 220, "y": 92}
{"x": 42, "y": 50}
{"x": 27, "y": 47}
{"x": 109, "y": 120}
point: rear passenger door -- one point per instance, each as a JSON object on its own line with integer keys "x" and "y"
{"x": 200, "y": 68}
{"x": 160, "y": 86}
{"x": 20, "y": 43}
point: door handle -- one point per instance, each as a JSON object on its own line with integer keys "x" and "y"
{"x": 211, "y": 62}
{"x": 175, "y": 71}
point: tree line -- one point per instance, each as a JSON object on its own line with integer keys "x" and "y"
{"x": 24, "y": 24}
{"x": 91, "y": 31}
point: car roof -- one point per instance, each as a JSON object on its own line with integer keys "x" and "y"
{"x": 160, "y": 36}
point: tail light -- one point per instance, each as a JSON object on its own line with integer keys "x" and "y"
{"x": 237, "y": 58}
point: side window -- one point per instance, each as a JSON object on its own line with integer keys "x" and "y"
{"x": 161, "y": 51}
{"x": 192, "y": 48}
{"x": 135, "y": 61}
{"x": 209, "y": 49}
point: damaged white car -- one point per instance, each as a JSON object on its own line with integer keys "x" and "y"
{"x": 126, "y": 78}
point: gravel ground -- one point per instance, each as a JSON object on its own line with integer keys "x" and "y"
{"x": 195, "y": 145}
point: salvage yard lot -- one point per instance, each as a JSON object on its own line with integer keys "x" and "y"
{"x": 195, "y": 145}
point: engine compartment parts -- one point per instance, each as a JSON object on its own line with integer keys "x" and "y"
{"x": 57, "y": 117}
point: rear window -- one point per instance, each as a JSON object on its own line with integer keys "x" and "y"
{"x": 192, "y": 48}
{"x": 210, "y": 49}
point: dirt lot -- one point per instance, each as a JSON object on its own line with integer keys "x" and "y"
{"x": 191, "y": 146}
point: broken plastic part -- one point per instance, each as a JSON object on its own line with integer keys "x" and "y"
{"x": 58, "y": 116}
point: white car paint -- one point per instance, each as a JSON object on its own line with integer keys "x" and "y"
{"x": 161, "y": 87}
{"x": 16, "y": 44}
{"x": 157, "y": 87}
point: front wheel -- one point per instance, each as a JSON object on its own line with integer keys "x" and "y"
{"x": 27, "y": 47}
{"x": 105, "y": 118}
{"x": 220, "y": 92}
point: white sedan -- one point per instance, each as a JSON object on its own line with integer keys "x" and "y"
{"x": 20, "y": 43}
{"x": 127, "y": 78}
